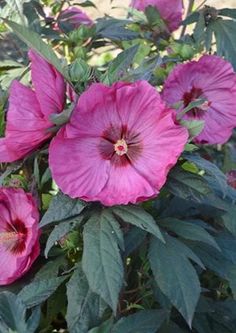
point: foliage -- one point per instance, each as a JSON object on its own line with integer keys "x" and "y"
{"x": 167, "y": 265}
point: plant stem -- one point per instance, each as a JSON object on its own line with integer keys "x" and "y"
{"x": 189, "y": 11}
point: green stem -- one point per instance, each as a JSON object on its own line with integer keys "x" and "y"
{"x": 189, "y": 11}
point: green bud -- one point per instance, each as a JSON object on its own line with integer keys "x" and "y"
{"x": 79, "y": 71}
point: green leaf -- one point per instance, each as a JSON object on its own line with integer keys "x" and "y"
{"x": 103, "y": 328}
{"x": 60, "y": 231}
{"x": 175, "y": 275}
{"x": 193, "y": 17}
{"x": 62, "y": 207}
{"x": 133, "y": 239}
{"x": 195, "y": 104}
{"x": 154, "y": 18}
{"x": 85, "y": 308}
{"x": 194, "y": 127}
{"x": 61, "y": 118}
{"x": 50, "y": 269}
{"x": 230, "y": 12}
{"x": 229, "y": 220}
{"x": 146, "y": 321}
{"x": 115, "y": 29}
{"x": 210, "y": 169}
{"x": 86, "y": 3}
{"x": 188, "y": 230}
{"x": 199, "y": 30}
{"x": 33, "y": 40}
{"x": 102, "y": 261}
{"x": 188, "y": 185}
{"x": 139, "y": 217}
{"x": 120, "y": 64}
{"x": 231, "y": 276}
{"x": 39, "y": 291}
{"x": 13, "y": 315}
{"x": 225, "y": 31}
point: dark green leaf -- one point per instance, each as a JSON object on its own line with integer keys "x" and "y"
{"x": 115, "y": 30}
{"x": 145, "y": 70}
{"x": 199, "y": 29}
{"x": 60, "y": 231}
{"x": 85, "y": 308}
{"x": 146, "y": 321}
{"x": 225, "y": 31}
{"x": 120, "y": 64}
{"x": 13, "y": 315}
{"x": 38, "y": 291}
{"x": 154, "y": 18}
{"x": 33, "y": 40}
{"x": 211, "y": 170}
{"x": 212, "y": 259}
{"x": 62, "y": 207}
{"x": 175, "y": 275}
{"x": 193, "y": 17}
{"x": 231, "y": 276}
{"x": 229, "y": 220}
{"x": 189, "y": 231}
{"x": 133, "y": 239}
{"x": 139, "y": 217}
{"x": 103, "y": 328}
{"x": 188, "y": 185}
{"x": 86, "y": 3}
{"x": 230, "y": 12}
{"x": 101, "y": 261}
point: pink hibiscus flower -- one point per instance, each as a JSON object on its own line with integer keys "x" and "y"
{"x": 119, "y": 145}
{"x": 73, "y": 18}
{"x": 170, "y": 12}
{"x": 29, "y": 110}
{"x": 231, "y": 178}
{"x": 211, "y": 78}
{"x": 19, "y": 234}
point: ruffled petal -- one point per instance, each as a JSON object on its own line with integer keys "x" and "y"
{"x": 125, "y": 185}
{"x": 216, "y": 80}
{"x": 84, "y": 173}
{"x": 49, "y": 85}
{"x": 26, "y": 126}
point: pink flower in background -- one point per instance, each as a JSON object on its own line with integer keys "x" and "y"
{"x": 119, "y": 145}
{"x": 29, "y": 110}
{"x": 19, "y": 234}
{"x": 211, "y": 78}
{"x": 231, "y": 178}
{"x": 73, "y": 18}
{"x": 171, "y": 11}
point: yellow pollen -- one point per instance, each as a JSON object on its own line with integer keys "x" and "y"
{"x": 8, "y": 237}
{"x": 121, "y": 147}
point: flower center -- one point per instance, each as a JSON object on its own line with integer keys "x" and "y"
{"x": 8, "y": 237}
{"x": 13, "y": 238}
{"x": 193, "y": 95}
{"x": 121, "y": 147}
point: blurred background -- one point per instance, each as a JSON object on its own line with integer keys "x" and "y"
{"x": 116, "y": 8}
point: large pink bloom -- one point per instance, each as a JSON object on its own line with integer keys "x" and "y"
{"x": 171, "y": 11}
{"x": 73, "y": 18}
{"x": 119, "y": 145}
{"x": 29, "y": 110}
{"x": 213, "y": 79}
{"x": 19, "y": 234}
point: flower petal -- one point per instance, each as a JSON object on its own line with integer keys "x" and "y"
{"x": 48, "y": 83}
{"x": 84, "y": 173}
